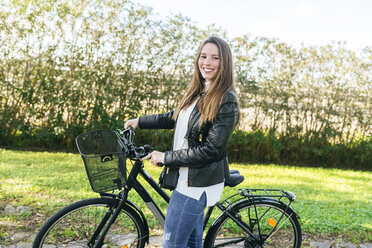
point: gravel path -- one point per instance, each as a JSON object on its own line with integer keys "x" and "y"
{"x": 155, "y": 242}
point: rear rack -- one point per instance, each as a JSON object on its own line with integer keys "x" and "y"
{"x": 259, "y": 193}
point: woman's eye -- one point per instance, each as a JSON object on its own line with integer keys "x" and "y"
{"x": 216, "y": 58}
{"x": 204, "y": 57}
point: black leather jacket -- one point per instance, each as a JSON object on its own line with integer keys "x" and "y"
{"x": 206, "y": 156}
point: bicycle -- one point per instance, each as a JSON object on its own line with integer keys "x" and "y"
{"x": 250, "y": 218}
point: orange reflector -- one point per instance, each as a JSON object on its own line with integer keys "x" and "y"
{"x": 124, "y": 246}
{"x": 271, "y": 222}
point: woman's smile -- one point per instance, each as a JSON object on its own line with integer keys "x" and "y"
{"x": 209, "y": 61}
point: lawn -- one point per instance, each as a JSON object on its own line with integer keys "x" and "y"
{"x": 331, "y": 202}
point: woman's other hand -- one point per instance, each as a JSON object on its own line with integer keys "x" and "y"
{"x": 131, "y": 122}
{"x": 157, "y": 158}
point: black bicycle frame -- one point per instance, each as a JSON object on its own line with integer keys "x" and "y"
{"x": 133, "y": 183}
{"x": 236, "y": 219}
{"x": 146, "y": 197}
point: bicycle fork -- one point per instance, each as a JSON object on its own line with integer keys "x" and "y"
{"x": 106, "y": 223}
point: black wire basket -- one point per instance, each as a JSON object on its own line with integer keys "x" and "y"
{"x": 104, "y": 156}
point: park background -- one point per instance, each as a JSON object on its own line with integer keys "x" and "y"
{"x": 73, "y": 66}
{"x": 67, "y": 67}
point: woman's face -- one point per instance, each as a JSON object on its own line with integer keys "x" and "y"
{"x": 209, "y": 61}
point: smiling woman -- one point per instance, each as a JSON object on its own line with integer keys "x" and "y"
{"x": 209, "y": 61}
{"x": 203, "y": 123}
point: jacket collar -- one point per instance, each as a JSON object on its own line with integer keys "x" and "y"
{"x": 194, "y": 117}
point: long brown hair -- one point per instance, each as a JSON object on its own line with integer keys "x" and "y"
{"x": 224, "y": 81}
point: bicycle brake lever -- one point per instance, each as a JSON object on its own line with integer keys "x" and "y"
{"x": 148, "y": 148}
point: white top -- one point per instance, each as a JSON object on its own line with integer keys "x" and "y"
{"x": 213, "y": 192}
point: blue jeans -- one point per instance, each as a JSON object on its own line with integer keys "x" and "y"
{"x": 184, "y": 221}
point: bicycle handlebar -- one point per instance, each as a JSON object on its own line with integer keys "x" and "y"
{"x": 134, "y": 152}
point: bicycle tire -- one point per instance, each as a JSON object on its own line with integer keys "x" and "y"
{"x": 226, "y": 233}
{"x": 75, "y": 224}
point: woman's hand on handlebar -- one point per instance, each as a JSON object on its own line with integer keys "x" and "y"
{"x": 157, "y": 158}
{"x": 131, "y": 122}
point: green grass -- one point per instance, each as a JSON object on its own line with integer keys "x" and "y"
{"x": 331, "y": 202}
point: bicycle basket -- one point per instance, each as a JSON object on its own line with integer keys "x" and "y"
{"x": 104, "y": 156}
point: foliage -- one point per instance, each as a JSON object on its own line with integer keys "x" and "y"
{"x": 71, "y": 66}
{"x": 67, "y": 67}
{"x": 268, "y": 147}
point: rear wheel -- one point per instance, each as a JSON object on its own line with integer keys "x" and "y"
{"x": 272, "y": 224}
{"x": 75, "y": 225}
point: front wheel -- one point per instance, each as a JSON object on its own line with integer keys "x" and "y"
{"x": 272, "y": 225}
{"x": 75, "y": 225}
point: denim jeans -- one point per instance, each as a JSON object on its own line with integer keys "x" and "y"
{"x": 184, "y": 222}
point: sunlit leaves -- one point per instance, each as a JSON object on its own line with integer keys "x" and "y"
{"x": 70, "y": 66}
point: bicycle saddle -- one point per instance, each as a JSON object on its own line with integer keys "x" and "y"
{"x": 234, "y": 179}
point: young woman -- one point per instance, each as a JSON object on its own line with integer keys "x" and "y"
{"x": 203, "y": 122}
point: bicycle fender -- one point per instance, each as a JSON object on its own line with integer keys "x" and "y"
{"x": 138, "y": 210}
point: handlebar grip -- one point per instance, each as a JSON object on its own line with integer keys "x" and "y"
{"x": 160, "y": 164}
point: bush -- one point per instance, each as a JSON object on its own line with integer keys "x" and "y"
{"x": 66, "y": 68}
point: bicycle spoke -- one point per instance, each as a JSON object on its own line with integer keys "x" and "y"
{"x": 276, "y": 228}
{"x": 76, "y": 225}
{"x": 269, "y": 223}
